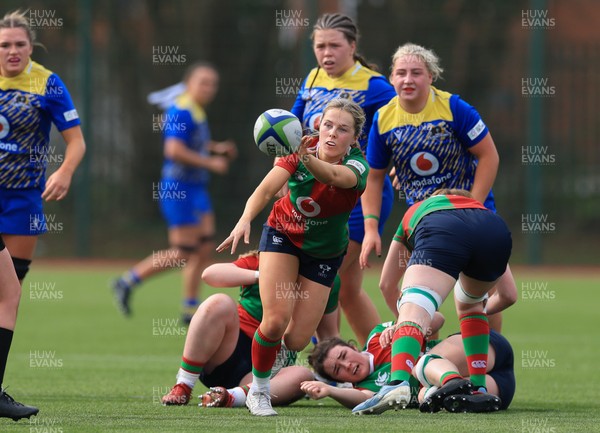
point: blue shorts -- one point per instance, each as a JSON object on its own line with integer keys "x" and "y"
{"x": 182, "y": 203}
{"x": 21, "y": 212}
{"x": 504, "y": 367}
{"x": 356, "y": 223}
{"x": 475, "y": 242}
{"x": 319, "y": 270}
{"x": 232, "y": 371}
{"x": 503, "y": 372}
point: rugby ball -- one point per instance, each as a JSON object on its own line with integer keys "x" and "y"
{"x": 277, "y": 132}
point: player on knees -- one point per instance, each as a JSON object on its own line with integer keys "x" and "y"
{"x": 451, "y": 236}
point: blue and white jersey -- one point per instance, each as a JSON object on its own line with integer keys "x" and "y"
{"x": 361, "y": 85}
{"x": 187, "y": 122}
{"x": 29, "y": 104}
{"x": 430, "y": 149}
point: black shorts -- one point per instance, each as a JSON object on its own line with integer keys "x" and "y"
{"x": 503, "y": 372}
{"x": 320, "y": 271}
{"x": 476, "y": 242}
{"x": 230, "y": 373}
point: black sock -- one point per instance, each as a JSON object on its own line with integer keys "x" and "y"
{"x": 6, "y": 336}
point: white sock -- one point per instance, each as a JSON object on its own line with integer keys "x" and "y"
{"x": 186, "y": 377}
{"x": 262, "y": 384}
{"x": 239, "y": 396}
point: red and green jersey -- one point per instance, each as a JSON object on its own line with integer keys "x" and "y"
{"x": 381, "y": 363}
{"x": 417, "y": 211}
{"x": 314, "y": 216}
{"x": 380, "y": 360}
{"x": 250, "y": 308}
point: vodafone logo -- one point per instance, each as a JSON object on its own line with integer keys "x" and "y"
{"x": 4, "y": 127}
{"x": 424, "y": 163}
{"x": 308, "y": 206}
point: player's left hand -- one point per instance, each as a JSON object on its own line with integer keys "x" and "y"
{"x": 57, "y": 186}
{"x": 385, "y": 339}
{"x": 308, "y": 146}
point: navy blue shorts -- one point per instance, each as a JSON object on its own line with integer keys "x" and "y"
{"x": 475, "y": 242}
{"x": 503, "y": 371}
{"x": 232, "y": 371}
{"x": 319, "y": 270}
{"x": 182, "y": 203}
{"x": 356, "y": 223}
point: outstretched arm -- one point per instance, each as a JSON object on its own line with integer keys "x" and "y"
{"x": 261, "y": 196}
{"x": 228, "y": 275}
{"x": 348, "y": 397}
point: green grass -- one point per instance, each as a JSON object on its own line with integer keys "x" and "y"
{"x": 91, "y": 370}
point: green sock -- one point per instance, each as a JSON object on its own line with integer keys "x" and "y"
{"x": 406, "y": 346}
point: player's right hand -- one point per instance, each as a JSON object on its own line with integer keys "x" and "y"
{"x": 240, "y": 231}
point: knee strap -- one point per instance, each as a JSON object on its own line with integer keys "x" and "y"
{"x": 420, "y": 368}
{"x": 462, "y": 296}
{"x": 21, "y": 267}
{"x": 424, "y": 297}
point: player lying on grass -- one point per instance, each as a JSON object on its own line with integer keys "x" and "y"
{"x": 218, "y": 344}
{"x": 370, "y": 370}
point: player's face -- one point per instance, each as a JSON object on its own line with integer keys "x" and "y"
{"x": 344, "y": 364}
{"x": 336, "y": 134}
{"x": 202, "y": 85}
{"x": 335, "y": 55}
{"x": 412, "y": 81}
{"x": 15, "y": 50}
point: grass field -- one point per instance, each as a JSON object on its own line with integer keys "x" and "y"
{"x": 91, "y": 370}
